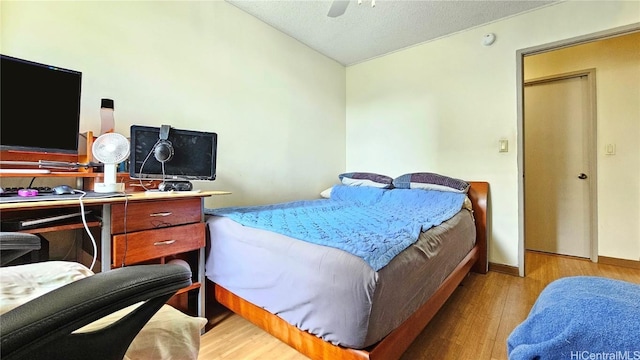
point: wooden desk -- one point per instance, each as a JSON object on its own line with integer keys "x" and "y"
{"x": 136, "y": 196}
{"x": 140, "y": 228}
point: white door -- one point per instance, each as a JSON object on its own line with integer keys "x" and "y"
{"x": 557, "y": 204}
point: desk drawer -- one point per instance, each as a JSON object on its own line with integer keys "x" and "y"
{"x": 155, "y": 214}
{"x": 151, "y": 244}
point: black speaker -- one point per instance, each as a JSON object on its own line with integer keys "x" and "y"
{"x": 163, "y": 150}
{"x": 175, "y": 186}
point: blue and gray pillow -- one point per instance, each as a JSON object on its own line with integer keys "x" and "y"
{"x": 430, "y": 181}
{"x": 366, "y": 179}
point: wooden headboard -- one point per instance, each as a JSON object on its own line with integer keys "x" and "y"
{"x": 479, "y": 195}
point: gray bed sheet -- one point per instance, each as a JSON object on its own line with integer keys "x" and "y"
{"x": 329, "y": 292}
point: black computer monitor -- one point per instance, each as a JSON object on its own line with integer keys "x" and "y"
{"x": 40, "y": 107}
{"x": 193, "y": 158}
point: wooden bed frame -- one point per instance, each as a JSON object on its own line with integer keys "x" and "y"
{"x": 397, "y": 342}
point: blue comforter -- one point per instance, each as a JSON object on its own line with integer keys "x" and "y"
{"x": 374, "y": 224}
{"x": 580, "y": 317}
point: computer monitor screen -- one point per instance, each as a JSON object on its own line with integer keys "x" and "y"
{"x": 39, "y": 107}
{"x": 193, "y": 158}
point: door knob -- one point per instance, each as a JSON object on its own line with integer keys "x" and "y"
{"x": 582, "y": 176}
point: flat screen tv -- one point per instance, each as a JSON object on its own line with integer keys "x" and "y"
{"x": 39, "y": 107}
{"x": 193, "y": 158}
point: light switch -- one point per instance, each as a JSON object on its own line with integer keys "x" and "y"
{"x": 504, "y": 145}
{"x": 610, "y": 149}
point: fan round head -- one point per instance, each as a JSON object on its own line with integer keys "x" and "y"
{"x": 111, "y": 148}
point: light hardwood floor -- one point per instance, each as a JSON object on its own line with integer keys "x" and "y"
{"x": 473, "y": 324}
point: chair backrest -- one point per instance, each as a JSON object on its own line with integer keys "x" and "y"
{"x": 14, "y": 245}
{"x": 43, "y": 328}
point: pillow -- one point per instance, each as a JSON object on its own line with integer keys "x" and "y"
{"x": 366, "y": 179}
{"x": 169, "y": 334}
{"x": 430, "y": 181}
{"x": 22, "y": 283}
{"x": 326, "y": 194}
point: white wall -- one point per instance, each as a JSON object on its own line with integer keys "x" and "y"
{"x": 617, "y": 64}
{"x": 442, "y": 106}
{"x": 278, "y": 106}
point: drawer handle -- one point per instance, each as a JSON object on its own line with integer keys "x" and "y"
{"x": 162, "y": 214}
{"x": 165, "y": 242}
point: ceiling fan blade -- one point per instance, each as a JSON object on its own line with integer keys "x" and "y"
{"x": 338, "y": 7}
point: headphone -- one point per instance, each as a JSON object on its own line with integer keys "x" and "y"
{"x": 163, "y": 150}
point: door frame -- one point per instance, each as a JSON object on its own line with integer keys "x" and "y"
{"x": 592, "y": 153}
{"x": 520, "y": 54}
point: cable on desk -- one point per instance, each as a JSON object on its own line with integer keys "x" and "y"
{"x": 145, "y": 161}
{"x": 86, "y": 228}
{"x": 93, "y": 240}
{"x": 71, "y": 247}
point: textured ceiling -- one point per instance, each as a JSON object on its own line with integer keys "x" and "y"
{"x": 364, "y": 32}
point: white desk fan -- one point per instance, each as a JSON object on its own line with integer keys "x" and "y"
{"x": 110, "y": 149}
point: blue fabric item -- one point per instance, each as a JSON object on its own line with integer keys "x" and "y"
{"x": 361, "y": 195}
{"x": 382, "y": 223}
{"x": 580, "y": 317}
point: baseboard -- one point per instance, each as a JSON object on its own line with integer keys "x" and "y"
{"x": 505, "y": 269}
{"x": 634, "y": 264}
{"x": 605, "y": 260}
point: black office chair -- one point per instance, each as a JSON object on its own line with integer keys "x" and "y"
{"x": 43, "y": 327}
{"x": 14, "y": 245}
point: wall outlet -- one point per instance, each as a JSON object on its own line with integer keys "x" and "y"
{"x": 610, "y": 149}
{"x": 504, "y": 145}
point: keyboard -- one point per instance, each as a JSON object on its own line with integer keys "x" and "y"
{"x": 12, "y": 191}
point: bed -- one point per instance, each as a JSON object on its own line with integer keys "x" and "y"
{"x": 299, "y": 291}
{"x": 580, "y": 317}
